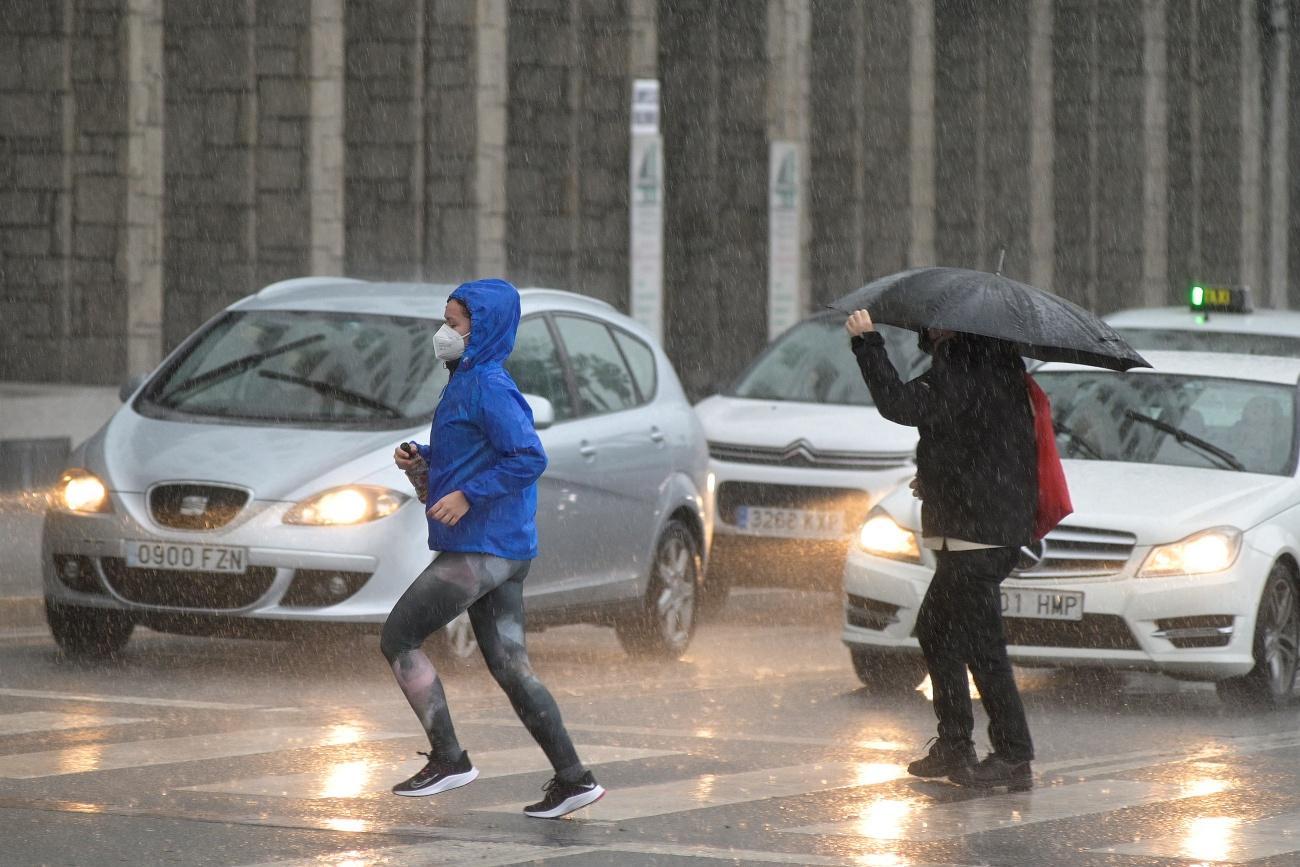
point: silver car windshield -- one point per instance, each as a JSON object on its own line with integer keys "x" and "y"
{"x": 1182, "y": 421}
{"x": 812, "y": 363}
{"x": 304, "y": 368}
{"x": 1212, "y": 341}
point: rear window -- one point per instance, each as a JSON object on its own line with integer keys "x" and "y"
{"x": 812, "y": 363}
{"x": 1212, "y": 341}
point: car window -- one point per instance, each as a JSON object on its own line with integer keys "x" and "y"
{"x": 603, "y": 380}
{"x": 1212, "y": 341}
{"x": 306, "y": 368}
{"x": 641, "y": 359}
{"x": 1252, "y": 422}
{"x": 812, "y": 363}
{"x": 535, "y": 366}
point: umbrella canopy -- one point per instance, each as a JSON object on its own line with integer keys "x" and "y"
{"x": 1040, "y": 324}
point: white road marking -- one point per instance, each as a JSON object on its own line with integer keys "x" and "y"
{"x": 1220, "y": 838}
{"x": 356, "y": 779}
{"x": 702, "y": 733}
{"x": 915, "y": 818}
{"x": 49, "y": 721}
{"x": 165, "y": 751}
{"x": 443, "y": 852}
{"x": 125, "y": 699}
{"x": 716, "y": 790}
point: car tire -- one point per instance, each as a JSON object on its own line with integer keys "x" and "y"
{"x": 454, "y": 646}
{"x": 1276, "y": 647}
{"x": 88, "y": 633}
{"x": 665, "y": 623}
{"x": 887, "y": 672}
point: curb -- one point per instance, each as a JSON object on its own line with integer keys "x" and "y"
{"x": 20, "y": 612}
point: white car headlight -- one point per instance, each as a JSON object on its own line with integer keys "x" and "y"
{"x": 351, "y": 504}
{"x": 1200, "y": 554}
{"x": 882, "y": 536}
{"x": 80, "y": 490}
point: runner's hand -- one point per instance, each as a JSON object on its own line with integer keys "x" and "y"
{"x": 915, "y": 485}
{"x": 450, "y": 509}
{"x": 404, "y": 461}
{"x": 859, "y": 323}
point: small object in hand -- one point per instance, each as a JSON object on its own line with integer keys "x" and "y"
{"x": 418, "y": 473}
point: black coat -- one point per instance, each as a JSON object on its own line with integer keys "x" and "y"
{"x": 977, "y": 460}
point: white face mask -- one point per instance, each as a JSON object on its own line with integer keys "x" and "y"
{"x": 448, "y": 344}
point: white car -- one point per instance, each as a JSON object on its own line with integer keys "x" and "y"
{"x": 1182, "y": 555}
{"x": 800, "y": 454}
{"x": 247, "y": 486}
{"x": 1257, "y": 332}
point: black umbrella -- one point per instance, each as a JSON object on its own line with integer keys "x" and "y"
{"x": 1040, "y": 324}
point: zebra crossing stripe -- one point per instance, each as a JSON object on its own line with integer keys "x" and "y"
{"x": 439, "y": 854}
{"x": 49, "y": 721}
{"x": 916, "y": 818}
{"x": 165, "y": 751}
{"x": 1220, "y": 838}
{"x": 355, "y": 779}
{"x": 124, "y": 699}
{"x": 718, "y": 790}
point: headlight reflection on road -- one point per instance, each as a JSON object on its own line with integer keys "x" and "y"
{"x": 351, "y": 826}
{"x": 346, "y": 780}
{"x": 1210, "y": 838}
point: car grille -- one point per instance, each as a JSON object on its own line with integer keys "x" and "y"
{"x": 868, "y": 613}
{"x": 175, "y": 589}
{"x": 853, "y": 503}
{"x": 1093, "y": 632}
{"x": 1072, "y": 552}
{"x": 1206, "y": 630}
{"x": 801, "y": 454}
{"x": 193, "y": 506}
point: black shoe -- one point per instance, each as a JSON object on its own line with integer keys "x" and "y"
{"x": 563, "y": 798}
{"x": 943, "y": 759}
{"x": 996, "y": 771}
{"x": 438, "y": 776}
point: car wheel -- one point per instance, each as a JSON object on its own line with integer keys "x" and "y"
{"x": 1277, "y": 647}
{"x": 887, "y": 672}
{"x": 92, "y": 633}
{"x": 454, "y": 645}
{"x": 665, "y": 623}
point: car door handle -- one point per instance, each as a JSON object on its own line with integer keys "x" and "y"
{"x": 657, "y": 435}
{"x": 586, "y": 449}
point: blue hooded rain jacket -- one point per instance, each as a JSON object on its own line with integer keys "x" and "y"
{"x": 483, "y": 443}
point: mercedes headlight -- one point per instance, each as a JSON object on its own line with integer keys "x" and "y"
{"x": 351, "y": 504}
{"x": 81, "y": 490}
{"x": 882, "y": 536}
{"x": 1205, "y": 552}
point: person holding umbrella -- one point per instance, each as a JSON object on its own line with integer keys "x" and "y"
{"x": 977, "y": 475}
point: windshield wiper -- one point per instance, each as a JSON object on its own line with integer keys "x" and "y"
{"x": 1186, "y": 439}
{"x": 331, "y": 390}
{"x": 1077, "y": 439}
{"x": 230, "y": 368}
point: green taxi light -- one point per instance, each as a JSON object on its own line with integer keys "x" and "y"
{"x": 1198, "y": 296}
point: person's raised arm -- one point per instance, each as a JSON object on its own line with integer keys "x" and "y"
{"x": 909, "y": 403}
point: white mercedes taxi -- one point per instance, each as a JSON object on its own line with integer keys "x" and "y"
{"x": 1216, "y": 319}
{"x": 1182, "y": 555}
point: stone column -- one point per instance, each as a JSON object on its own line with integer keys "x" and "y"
{"x": 1155, "y": 137}
{"x": 1252, "y": 152}
{"x": 921, "y": 140}
{"x": 788, "y": 58}
{"x": 1279, "y": 156}
{"x": 325, "y": 136}
{"x": 1042, "y": 147}
{"x": 143, "y": 236}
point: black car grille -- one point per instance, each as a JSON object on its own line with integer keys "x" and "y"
{"x": 195, "y": 506}
{"x": 801, "y": 454}
{"x": 167, "y": 588}
{"x": 1093, "y": 632}
{"x": 1205, "y": 630}
{"x": 869, "y": 613}
{"x": 854, "y": 504}
{"x": 1073, "y": 552}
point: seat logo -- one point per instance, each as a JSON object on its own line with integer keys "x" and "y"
{"x": 1031, "y": 556}
{"x": 193, "y": 505}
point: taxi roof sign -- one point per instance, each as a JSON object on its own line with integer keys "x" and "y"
{"x": 1207, "y": 298}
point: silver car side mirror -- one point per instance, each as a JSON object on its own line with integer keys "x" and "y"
{"x": 543, "y": 411}
{"x": 131, "y": 386}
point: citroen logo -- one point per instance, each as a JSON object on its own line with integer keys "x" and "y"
{"x": 799, "y": 450}
{"x": 193, "y": 505}
{"x": 1031, "y": 556}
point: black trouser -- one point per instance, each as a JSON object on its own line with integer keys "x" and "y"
{"x": 492, "y": 589}
{"x": 959, "y": 625}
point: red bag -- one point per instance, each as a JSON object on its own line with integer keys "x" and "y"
{"x": 1053, "y": 491}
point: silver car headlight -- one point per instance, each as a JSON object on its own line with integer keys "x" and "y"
{"x": 82, "y": 491}
{"x": 350, "y": 504}
{"x": 1200, "y": 554}
{"x": 882, "y": 536}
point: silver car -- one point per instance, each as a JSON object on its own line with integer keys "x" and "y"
{"x": 247, "y": 487}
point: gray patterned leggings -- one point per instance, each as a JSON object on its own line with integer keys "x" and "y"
{"x": 492, "y": 589}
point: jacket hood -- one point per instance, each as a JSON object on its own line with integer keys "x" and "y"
{"x": 493, "y": 306}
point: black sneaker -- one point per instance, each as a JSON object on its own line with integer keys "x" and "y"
{"x": 994, "y": 772}
{"x": 563, "y": 798}
{"x": 943, "y": 759}
{"x": 438, "y": 776}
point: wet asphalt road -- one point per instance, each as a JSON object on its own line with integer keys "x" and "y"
{"x": 759, "y": 748}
